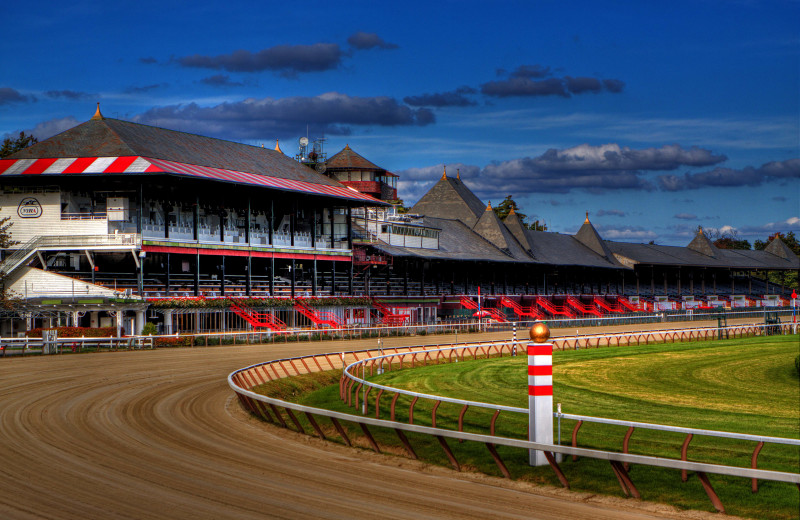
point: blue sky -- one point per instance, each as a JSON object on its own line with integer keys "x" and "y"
{"x": 654, "y": 118}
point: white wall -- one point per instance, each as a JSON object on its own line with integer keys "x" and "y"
{"x": 46, "y": 220}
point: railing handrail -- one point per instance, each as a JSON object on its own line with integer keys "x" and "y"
{"x": 478, "y": 404}
{"x": 430, "y": 396}
{"x": 760, "y": 474}
{"x": 680, "y": 429}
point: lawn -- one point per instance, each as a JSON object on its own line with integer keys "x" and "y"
{"x": 747, "y": 386}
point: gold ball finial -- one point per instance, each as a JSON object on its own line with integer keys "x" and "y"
{"x": 489, "y": 206}
{"x": 540, "y": 332}
{"x": 444, "y": 172}
{"x": 587, "y": 218}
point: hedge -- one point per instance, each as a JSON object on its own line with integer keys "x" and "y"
{"x": 75, "y": 332}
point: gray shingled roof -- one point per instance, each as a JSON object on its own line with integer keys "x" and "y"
{"x": 723, "y": 258}
{"x": 557, "y": 249}
{"x": 456, "y": 242}
{"x": 514, "y": 224}
{"x": 490, "y": 227}
{"x": 113, "y": 138}
{"x": 450, "y": 198}
{"x": 588, "y": 236}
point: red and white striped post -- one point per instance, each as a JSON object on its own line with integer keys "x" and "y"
{"x": 540, "y": 390}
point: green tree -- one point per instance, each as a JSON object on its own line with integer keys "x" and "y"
{"x": 787, "y": 278}
{"x": 7, "y": 301}
{"x": 14, "y": 145}
{"x": 789, "y": 239}
{"x": 504, "y": 208}
{"x": 727, "y": 239}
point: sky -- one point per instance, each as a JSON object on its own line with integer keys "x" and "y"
{"x": 654, "y": 118}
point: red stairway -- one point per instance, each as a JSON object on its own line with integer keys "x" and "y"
{"x": 388, "y": 317}
{"x": 318, "y": 318}
{"x": 519, "y": 310}
{"x": 552, "y": 309}
{"x": 258, "y": 320}
{"x": 582, "y": 307}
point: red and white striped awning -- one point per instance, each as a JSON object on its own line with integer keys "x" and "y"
{"x": 138, "y": 165}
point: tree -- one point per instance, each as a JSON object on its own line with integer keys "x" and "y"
{"x": 399, "y": 205}
{"x": 788, "y": 279}
{"x": 727, "y": 239}
{"x": 14, "y": 145}
{"x": 789, "y": 239}
{"x": 504, "y": 208}
{"x": 7, "y": 301}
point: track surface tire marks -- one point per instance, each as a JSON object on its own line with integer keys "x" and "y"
{"x": 158, "y": 434}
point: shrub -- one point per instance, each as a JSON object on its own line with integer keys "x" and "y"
{"x": 76, "y": 332}
{"x": 180, "y": 341}
{"x": 149, "y": 329}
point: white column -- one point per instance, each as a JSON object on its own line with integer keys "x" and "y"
{"x": 168, "y": 321}
{"x": 139, "y": 324}
{"x": 540, "y": 398}
{"x": 120, "y": 325}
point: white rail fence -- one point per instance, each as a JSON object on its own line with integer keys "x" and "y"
{"x": 351, "y": 387}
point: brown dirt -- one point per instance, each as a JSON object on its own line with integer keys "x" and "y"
{"x": 157, "y": 434}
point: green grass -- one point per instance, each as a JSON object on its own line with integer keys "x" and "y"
{"x": 747, "y": 386}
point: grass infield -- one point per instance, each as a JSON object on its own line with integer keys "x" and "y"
{"x": 746, "y": 386}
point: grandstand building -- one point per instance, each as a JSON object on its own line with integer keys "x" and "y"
{"x": 119, "y": 223}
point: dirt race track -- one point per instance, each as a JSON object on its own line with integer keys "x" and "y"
{"x": 158, "y": 434}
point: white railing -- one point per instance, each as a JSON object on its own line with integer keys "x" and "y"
{"x": 60, "y": 242}
{"x": 268, "y": 408}
{"x": 207, "y": 234}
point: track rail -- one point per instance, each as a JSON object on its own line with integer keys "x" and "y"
{"x": 244, "y": 380}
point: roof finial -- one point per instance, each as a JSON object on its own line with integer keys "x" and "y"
{"x": 489, "y": 206}
{"x": 444, "y": 173}
{"x": 97, "y": 115}
{"x": 458, "y": 173}
{"x": 700, "y": 229}
{"x": 587, "y": 218}
{"x": 278, "y": 146}
{"x": 511, "y": 211}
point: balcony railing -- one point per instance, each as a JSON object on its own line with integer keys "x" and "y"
{"x": 211, "y": 235}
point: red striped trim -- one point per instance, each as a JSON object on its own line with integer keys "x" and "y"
{"x": 6, "y": 164}
{"x": 39, "y": 166}
{"x": 80, "y": 165}
{"x": 120, "y": 164}
{"x": 543, "y": 370}
{"x": 540, "y": 390}
{"x": 540, "y": 350}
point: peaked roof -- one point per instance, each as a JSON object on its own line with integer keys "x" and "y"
{"x": 111, "y": 146}
{"x": 588, "y": 236}
{"x": 779, "y": 248}
{"x": 490, "y": 227}
{"x": 450, "y": 198}
{"x": 456, "y": 242}
{"x": 347, "y": 159}
{"x": 703, "y": 245}
{"x": 514, "y": 224}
